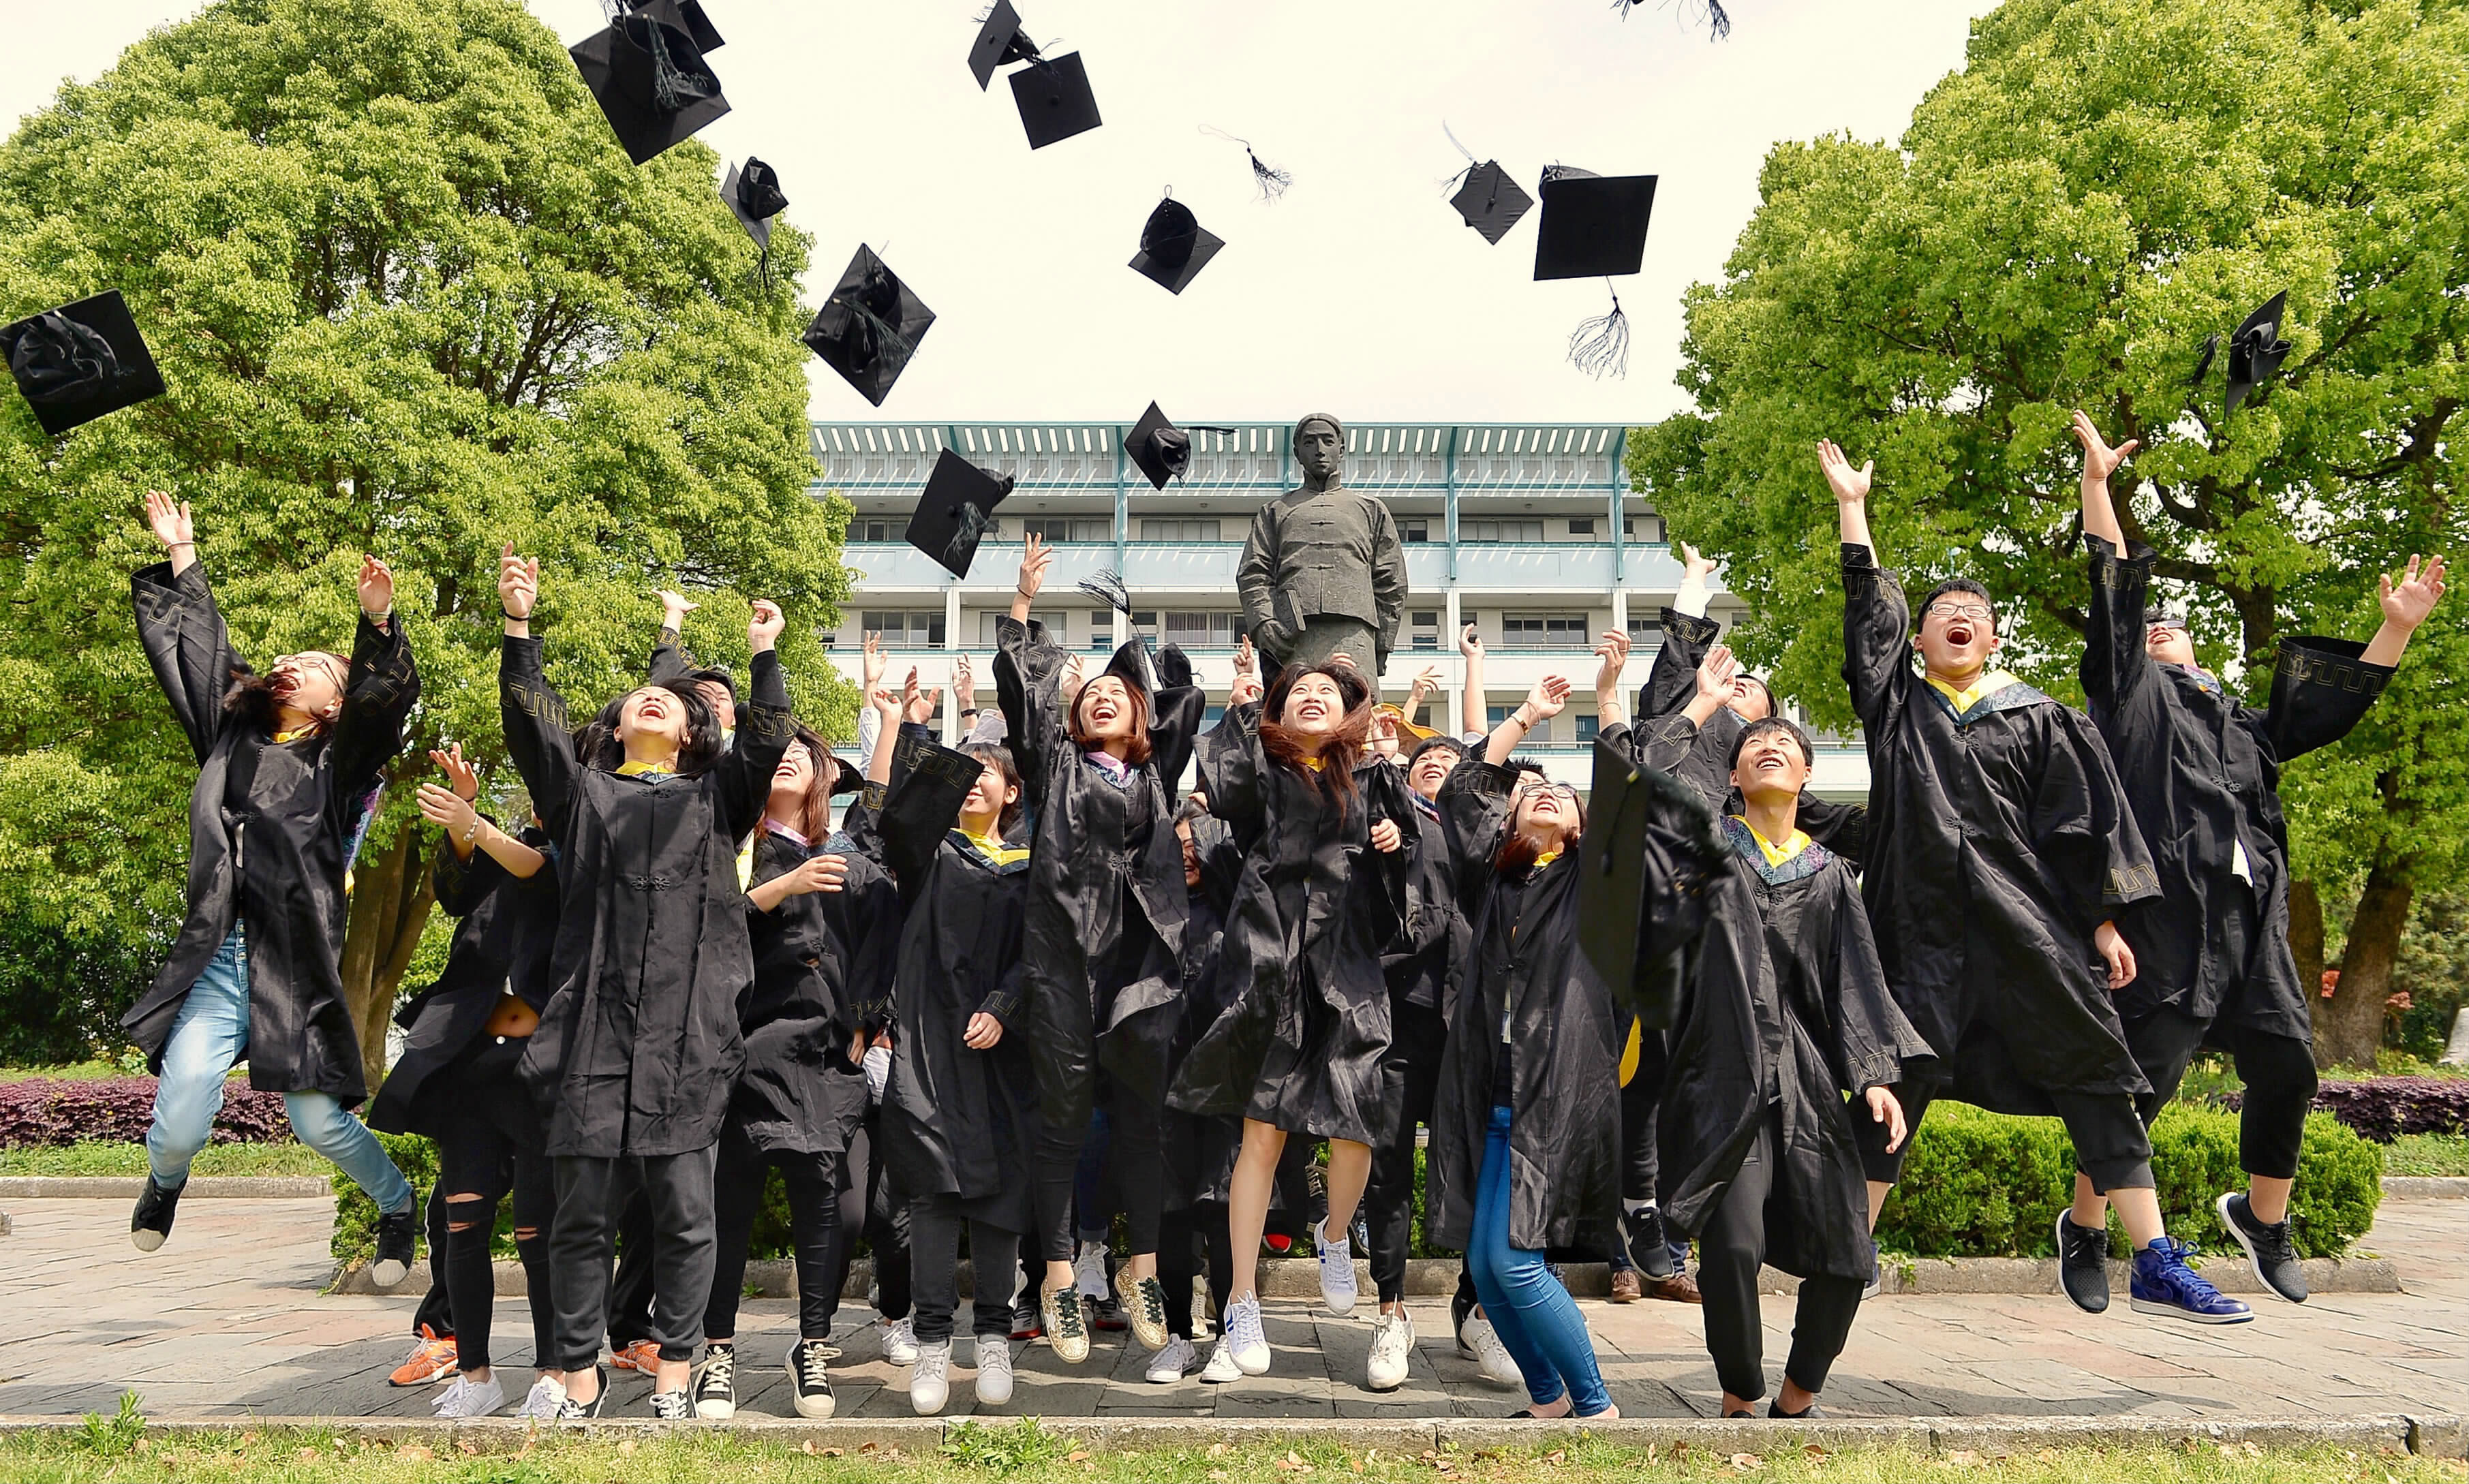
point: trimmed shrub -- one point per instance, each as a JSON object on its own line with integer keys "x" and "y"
{"x": 43, "y": 1112}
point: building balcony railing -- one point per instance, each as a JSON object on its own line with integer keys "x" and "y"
{"x": 1161, "y": 568}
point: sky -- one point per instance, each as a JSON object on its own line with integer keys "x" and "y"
{"x": 1359, "y": 293}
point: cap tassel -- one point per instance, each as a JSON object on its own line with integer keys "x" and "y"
{"x": 1106, "y": 585}
{"x": 1449, "y": 186}
{"x": 1719, "y": 22}
{"x": 1272, "y": 181}
{"x": 1600, "y": 344}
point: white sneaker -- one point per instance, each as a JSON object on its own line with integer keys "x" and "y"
{"x": 899, "y": 1338}
{"x": 929, "y": 1381}
{"x": 1221, "y": 1367}
{"x": 1089, "y": 1273}
{"x": 1179, "y": 1358}
{"x": 466, "y": 1398}
{"x": 1244, "y": 1342}
{"x": 1492, "y": 1357}
{"x": 1393, "y": 1341}
{"x": 539, "y": 1404}
{"x": 1336, "y": 1270}
{"x": 994, "y": 1370}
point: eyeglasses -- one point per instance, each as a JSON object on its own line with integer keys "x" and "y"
{"x": 309, "y": 657}
{"x": 1971, "y": 610}
{"x": 1567, "y": 791}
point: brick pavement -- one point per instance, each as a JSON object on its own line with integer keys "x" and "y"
{"x": 227, "y": 1319}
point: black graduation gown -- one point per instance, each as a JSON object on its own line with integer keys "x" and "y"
{"x": 799, "y": 1094}
{"x": 638, "y": 1046}
{"x": 1565, "y": 1043}
{"x": 2201, "y": 770}
{"x": 1306, "y": 1017}
{"x": 271, "y": 834}
{"x": 1106, "y": 899}
{"x": 501, "y": 946}
{"x": 1200, "y": 1149}
{"x": 1671, "y": 684}
{"x": 1999, "y": 841}
{"x": 1426, "y": 961}
{"x": 1784, "y": 1004}
{"x": 956, "y": 1120}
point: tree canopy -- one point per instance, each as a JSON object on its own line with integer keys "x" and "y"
{"x": 410, "y": 298}
{"x": 2102, "y": 186}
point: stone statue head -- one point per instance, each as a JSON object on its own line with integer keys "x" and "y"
{"x": 1320, "y": 448}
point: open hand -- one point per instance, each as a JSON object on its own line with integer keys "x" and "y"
{"x": 2100, "y": 460}
{"x": 518, "y": 584}
{"x": 2408, "y": 603}
{"x": 169, "y": 520}
{"x": 887, "y": 702}
{"x": 1035, "y": 559}
{"x": 461, "y": 776}
{"x": 1430, "y": 681}
{"x": 1716, "y": 671}
{"x": 1613, "y": 651}
{"x": 763, "y": 631}
{"x": 1695, "y": 568}
{"x": 674, "y": 609}
{"x": 1550, "y": 695}
{"x": 2115, "y": 952}
{"x": 377, "y": 588}
{"x": 965, "y": 683}
{"x": 917, "y": 701}
{"x": 1850, "y": 485}
{"x": 870, "y": 660}
{"x": 1886, "y": 1108}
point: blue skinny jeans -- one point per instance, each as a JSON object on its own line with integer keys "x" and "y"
{"x": 208, "y": 1038}
{"x": 1537, "y": 1321}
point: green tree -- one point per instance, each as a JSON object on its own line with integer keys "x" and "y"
{"x": 410, "y": 298}
{"x": 2102, "y": 186}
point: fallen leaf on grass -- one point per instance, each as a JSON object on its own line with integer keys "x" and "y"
{"x": 1748, "y": 1463}
{"x": 414, "y": 1453}
{"x": 1217, "y": 1474}
{"x": 1216, "y": 1449}
{"x": 1077, "y": 1455}
{"x": 1557, "y": 1455}
{"x": 1963, "y": 1458}
{"x": 467, "y": 1447}
{"x": 626, "y": 1448}
{"x": 307, "y": 1456}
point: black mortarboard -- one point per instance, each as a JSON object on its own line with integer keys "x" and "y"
{"x": 698, "y": 25}
{"x": 1594, "y": 226}
{"x": 2256, "y": 351}
{"x": 1000, "y": 41}
{"x": 1174, "y": 246}
{"x": 956, "y": 511}
{"x": 869, "y": 327}
{"x": 1490, "y": 201}
{"x": 1646, "y": 866}
{"x": 77, "y": 362}
{"x": 650, "y": 78}
{"x": 1163, "y": 450}
{"x": 753, "y": 191}
{"x": 1054, "y": 99}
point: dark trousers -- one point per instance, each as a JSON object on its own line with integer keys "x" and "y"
{"x": 437, "y": 1311}
{"x": 813, "y": 1185}
{"x": 590, "y": 1193}
{"x": 490, "y": 1145}
{"x": 1639, "y": 1167}
{"x": 2111, "y": 1144}
{"x": 1730, "y": 1251}
{"x": 629, "y": 1293}
{"x": 872, "y": 1205}
{"x": 1410, "y": 1080}
{"x": 935, "y": 1223}
{"x": 1183, "y": 1237}
{"x": 1137, "y": 1153}
{"x": 2278, "y": 1072}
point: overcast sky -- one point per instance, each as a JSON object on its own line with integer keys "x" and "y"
{"x": 1359, "y": 293}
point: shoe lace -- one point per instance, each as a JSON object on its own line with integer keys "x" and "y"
{"x": 669, "y": 1405}
{"x": 811, "y": 1368}
{"x": 1067, "y": 1318}
{"x": 720, "y": 1371}
{"x": 1150, "y": 1295}
{"x": 932, "y": 1363}
{"x": 2086, "y": 1244}
{"x": 1243, "y": 1323}
{"x": 2274, "y": 1241}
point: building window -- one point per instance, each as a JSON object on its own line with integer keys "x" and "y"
{"x": 1581, "y": 527}
{"x": 1487, "y": 531}
{"x": 1062, "y": 528}
{"x": 906, "y": 630}
{"x": 1425, "y": 627}
{"x": 1543, "y": 631}
{"x": 1589, "y": 727}
{"x": 1058, "y": 624}
{"x": 1203, "y": 630}
{"x": 873, "y": 530}
{"x": 1417, "y": 528}
{"x": 1644, "y": 635}
{"x": 1178, "y": 531}
{"x": 1144, "y": 625}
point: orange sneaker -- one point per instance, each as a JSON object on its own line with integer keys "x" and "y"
{"x": 433, "y": 1359}
{"x": 642, "y": 1356}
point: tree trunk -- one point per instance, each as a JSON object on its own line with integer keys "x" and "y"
{"x": 2306, "y": 940}
{"x": 2350, "y": 1027}
{"x": 391, "y": 895}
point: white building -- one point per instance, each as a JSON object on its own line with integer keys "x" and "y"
{"x": 1529, "y": 531}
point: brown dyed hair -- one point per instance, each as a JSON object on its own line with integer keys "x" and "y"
{"x": 815, "y": 812}
{"x": 1334, "y": 780}
{"x": 1137, "y": 752}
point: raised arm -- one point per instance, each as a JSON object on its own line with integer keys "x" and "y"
{"x": 2321, "y": 688}
{"x": 766, "y": 726}
{"x": 1850, "y": 489}
{"x": 920, "y": 810}
{"x": 669, "y": 660}
{"x": 471, "y": 835}
{"x": 1696, "y": 573}
{"x": 1231, "y": 766}
{"x": 537, "y": 735}
{"x": 1545, "y": 701}
{"x": 181, "y": 628}
{"x": 379, "y": 689}
{"x": 1613, "y": 657}
{"x": 2100, "y": 461}
{"x": 1470, "y": 708}
{"x": 2405, "y": 607}
{"x": 1876, "y": 621}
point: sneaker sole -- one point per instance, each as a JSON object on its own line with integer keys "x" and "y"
{"x": 2058, "y": 1233}
{"x": 1370, "y": 1385}
{"x": 425, "y": 1379}
{"x": 815, "y": 1409}
{"x": 715, "y": 1411}
{"x": 388, "y": 1274}
{"x": 1250, "y": 1369}
{"x": 984, "y": 1399}
{"x": 148, "y": 1240}
{"x": 2149, "y": 1306}
{"x": 2222, "y": 1206}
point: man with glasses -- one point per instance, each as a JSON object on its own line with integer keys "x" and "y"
{"x": 2001, "y": 850}
{"x": 2202, "y": 772}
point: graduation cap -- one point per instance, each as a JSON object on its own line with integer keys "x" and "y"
{"x": 1594, "y": 226}
{"x": 649, "y": 76}
{"x": 1163, "y": 450}
{"x": 1647, "y": 865}
{"x": 2256, "y": 351}
{"x": 956, "y": 511}
{"x": 1490, "y": 201}
{"x": 1054, "y": 99}
{"x": 869, "y": 327}
{"x": 698, "y": 25}
{"x": 1174, "y": 246}
{"x": 753, "y": 193}
{"x": 75, "y": 363}
{"x": 999, "y": 43}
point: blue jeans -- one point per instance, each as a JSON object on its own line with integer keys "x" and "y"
{"x": 208, "y": 1038}
{"x": 1536, "y": 1320}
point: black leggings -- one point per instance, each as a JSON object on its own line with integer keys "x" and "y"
{"x": 1410, "y": 1081}
{"x": 1180, "y": 1241}
{"x": 812, "y": 1181}
{"x": 1730, "y": 1251}
{"x": 2278, "y": 1072}
{"x": 592, "y": 1191}
{"x": 872, "y": 1206}
{"x": 437, "y": 1311}
{"x": 935, "y": 1223}
{"x": 2111, "y": 1144}
{"x": 1138, "y": 1160}
{"x": 490, "y": 1143}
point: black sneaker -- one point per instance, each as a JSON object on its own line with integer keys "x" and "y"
{"x": 672, "y": 1406}
{"x": 1876, "y": 1275}
{"x": 2083, "y": 1262}
{"x": 1649, "y": 1244}
{"x": 1813, "y": 1412}
{"x": 152, "y": 1221}
{"x": 1028, "y": 1321}
{"x": 2267, "y": 1246}
{"x": 1462, "y": 1305}
{"x": 394, "y": 1233}
{"x": 808, "y": 1383}
{"x": 569, "y": 1409}
{"x": 715, "y": 1383}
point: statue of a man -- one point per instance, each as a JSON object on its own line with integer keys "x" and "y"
{"x": 1322, "y": 571}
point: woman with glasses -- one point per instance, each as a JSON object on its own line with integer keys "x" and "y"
{"x": 289, "y": 764}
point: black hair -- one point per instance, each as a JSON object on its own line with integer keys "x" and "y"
{"x": 999, "y": 757}
{"x": 1334, "y": 780}
{"x": 1429, "y": 742}
{"x": 1191, "y": 810}
{"x": 715, "y": 675}
{"x": 815, "y": 812}
{"x": 1774, "y": 723}
{"x": 256, "y": 701}
{"x": 1955, "y": 584}
{"x": 597, "y": 745}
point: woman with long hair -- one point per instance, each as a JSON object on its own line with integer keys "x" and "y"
{"x": 1298, "y": 1048}
{"x": 638, "y": 1045}
{"x": 1106, "y": 908}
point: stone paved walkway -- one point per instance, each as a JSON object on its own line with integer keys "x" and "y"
{"x": 227, "y": 1319}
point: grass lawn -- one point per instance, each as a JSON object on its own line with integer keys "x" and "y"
{"x": 1026, "y": 1451}
{"x": 2427, "y": 1154}
{"x": 84, "y": 1071}
{"x": 111, "y": 1159}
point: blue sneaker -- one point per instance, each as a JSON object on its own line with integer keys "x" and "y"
{"x": 2162, "y": 1284}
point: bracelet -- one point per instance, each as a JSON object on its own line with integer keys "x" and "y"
{"x": 1520, "y": 717}
{"x": 1024, "y": 597}
{"x": 512, "y": 618}
{"x": 473, "y": 833}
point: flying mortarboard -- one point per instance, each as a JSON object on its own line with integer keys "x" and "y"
{"x": 956, "y": 511}
{"x": 1163, "y": 450}
{"x": 871, "y": 327}
{"x": 1490, "y": 201}
{"x": 1594, "y": 226}
{"x": 1174, "y": 246}
{"x": 77, "y": 362}
{"x": 650, "y": 78}
{"x": 753, "y": 194}
{"x": 1054, "y": 99}
{"x": 2256, "y": 351}
{"x": 1000, "y": 43}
